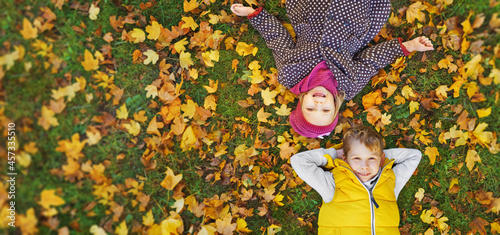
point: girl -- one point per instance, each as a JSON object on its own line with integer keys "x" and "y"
{"x": 326, "y": 64}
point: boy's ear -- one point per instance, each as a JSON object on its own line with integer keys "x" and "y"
{"x": 382, "y": 159}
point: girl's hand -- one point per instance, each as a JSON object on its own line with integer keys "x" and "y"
{"x": 419, "y": 44}
{"x": 240, "y": 10}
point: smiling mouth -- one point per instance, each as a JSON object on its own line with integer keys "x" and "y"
{"x": 319, "y": 95}
{"x": 363, "y": 174}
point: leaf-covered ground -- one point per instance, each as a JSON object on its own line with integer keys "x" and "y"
{"x": 165, "y": 117}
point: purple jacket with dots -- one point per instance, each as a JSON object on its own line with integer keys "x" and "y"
{"x": 335, "y": 31}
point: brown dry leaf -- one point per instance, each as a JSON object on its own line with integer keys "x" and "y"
{"x": 478, "y": 226}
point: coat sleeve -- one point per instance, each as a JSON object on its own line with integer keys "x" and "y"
{"x": 405, "y": 163}
{"x": 366, "y": 64}
{"x": 275, "y": 35}
{"x": 308, "y": 165}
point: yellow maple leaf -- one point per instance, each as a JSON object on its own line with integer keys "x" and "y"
{"x": 171, "y": 180}
{"x": 442, "y": 226}
{"x": 268, "y": 96}
{"x": 122, "y": 228}
{"x": 96, "y": 230}
{"x": 154, "y": 30}
{"x": 473, "y": 68}
{"x": 185, "y": 60}
{"x": 188, "y": 139}
{"x": 257, "y": 77}
{"x": 133, "y": 128}
{"x": 386, "y": 119}
{"x": 68, "y": 91}
{"x": 426, "y": 216}
{"x": 47, "y": 119}
{"x": 190, "y": 5}
{"x": 152, "y": 57}
{"x": 178, "y": 205}
{"x": 414, "y": 106}
{"x": 9, "y": 59}
{"x": 414, "y": 11}
{"x": 89, "y": 63}
{"x": 495, "y": 74}
{"x": 189, "y": 23}
{"x": 278, "y": 199}
{"x": 495, "y": 227}
{"x": 154, "y": 126}
{"x": 390, "y": 89}
{"x": 189, "y": 109}
{"x": 210, "y": 103}
{"x": 484, "y": 137}
{"x": 180, "y": 45}
{"x": 93, "y": 135}
{"x": 212, "y": 87}
{"x": 152, "y": 91}
{"x": 27, "y": 223}
{"x": 432, "y": 152}
{"x": 420, "y": 194}
{"x": 407, "y": 92}
{"x": 170, "y": 225}
{"x": 209, "y": 56}
{"x": 441, "y": 92}
{"x": 28, "y": 31}
{"x": 48, "y": 198}
{"x": 283, "y": 110}
{"x": 137, "y": 35}
{"x": 399, "y": 100}
{"x": 148, "y": 220}
{"x": 241, "y": 226}
{"x": 93, "y": 11}
{"x": 140, "y": 116}
{"x": 467, "y": 27}
{"x": 273, "y": 229}
{"x": 262, "y": 115}
{"x": 483, "y": 112}
{"x": 122, "y": 112}
{"x": 443, "y": 63}
{"x": 471, "y": 158}
{"x": 244, "y": 49}
{"x": 23, "y": 159}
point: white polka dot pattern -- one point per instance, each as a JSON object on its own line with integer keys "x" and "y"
{"x": 335, "y": 31}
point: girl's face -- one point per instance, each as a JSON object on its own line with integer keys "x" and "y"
{"x": 318, "y": 106}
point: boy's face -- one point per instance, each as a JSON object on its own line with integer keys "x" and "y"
{"x": 318, "y": 106}
{"x": 363, "y": 161}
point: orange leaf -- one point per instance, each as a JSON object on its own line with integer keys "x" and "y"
{"x": 154, "y": 126}
{"x": 171, "y": 180}
{"x": 140, "y": 116}
{"x": 190, "y": 5}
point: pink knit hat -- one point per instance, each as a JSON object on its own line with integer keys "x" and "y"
{"x": 305, "y": 128}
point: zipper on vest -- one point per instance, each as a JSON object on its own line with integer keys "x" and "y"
{"x": 370, "y": 194}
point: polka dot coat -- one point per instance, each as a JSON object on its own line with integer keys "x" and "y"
{"x": 335, "y": 31}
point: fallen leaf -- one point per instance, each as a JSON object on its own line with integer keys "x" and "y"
{"x": 420, "y": 194}
{"x": 268, "y": 96}
{"x": 171, "y": 180}
{"x": 93, "y": 11}
{"x": 283, "y": 110}
{"x": 189, "y": 23}
{"x": 89, "y": 63}
{"x": 483, "y": 112}
{"x": 431, "y": 152}
{"x": 152, "y": 57}
{"x": 48, "y": 198}
{"x": 28, "y": 31}
{"x": 414, "y": 12}
{"x": 154, "y": 30}
{"x": 137, "y": 35}
{"x": 122, "y": 112}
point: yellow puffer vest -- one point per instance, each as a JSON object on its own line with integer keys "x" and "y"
{"x": 353, "y": 210}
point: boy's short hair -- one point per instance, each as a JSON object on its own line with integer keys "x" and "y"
{"x": 367, "y": 136}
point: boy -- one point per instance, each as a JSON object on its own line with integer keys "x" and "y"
{"x": 360, "y": 184}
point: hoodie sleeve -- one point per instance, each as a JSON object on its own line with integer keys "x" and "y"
{"x": 405, "y": 163}
{"x": 308, "y": 166}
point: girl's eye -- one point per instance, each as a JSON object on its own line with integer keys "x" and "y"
{"x": 326, "y": 110}
{"x": 309, "y": 109}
